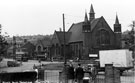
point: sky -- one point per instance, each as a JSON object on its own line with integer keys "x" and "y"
{"x": 32, "y": 17}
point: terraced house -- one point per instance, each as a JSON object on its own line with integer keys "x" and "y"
{"x": 87, "y": 37}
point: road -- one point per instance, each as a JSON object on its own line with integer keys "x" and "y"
{"x": 127, "y": 77}
{"x": 24, "y": 67}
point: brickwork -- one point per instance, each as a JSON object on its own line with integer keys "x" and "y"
{"x": 116, "y": 76}
{"x": 63, "y": 76}
{"x": 112, "y": 75}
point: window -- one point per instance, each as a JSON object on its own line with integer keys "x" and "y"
{"x": 102, "y": 37}
{"x": 39, "y": 48}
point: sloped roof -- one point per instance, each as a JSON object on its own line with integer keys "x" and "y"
{"x": 44, "y": 43}
{"x": 76, "y": 30}
{"x": 11, "y": 48}
{"x": 60, "y": 36}
{"x": 76, "y": 34}
{"x": 28, "y": 45}
{"x": 94, "y": 22}
{"x": 92, "y": 10}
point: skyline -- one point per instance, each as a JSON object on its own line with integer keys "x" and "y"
{"x": 32, "y": 17}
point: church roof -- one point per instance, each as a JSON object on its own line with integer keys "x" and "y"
{"x": 94, "y": 22}
{"x": 43, "y": 42}
{"x": 60, "y": 36}
{"x": 76, "y": 34}
{"x": 91, "y": 9}
{"x": 76, "y": 29}
{"x": 116, "y": 20}
{"x": 86, "y": 18}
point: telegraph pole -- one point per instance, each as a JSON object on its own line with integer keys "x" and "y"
{"x": 65, "y": 61}
{"x": 64, "y": 53}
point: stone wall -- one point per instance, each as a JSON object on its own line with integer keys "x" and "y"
{"x": 112, "y": 75}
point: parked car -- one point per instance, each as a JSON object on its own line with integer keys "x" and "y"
{"x": 13, "y": 63}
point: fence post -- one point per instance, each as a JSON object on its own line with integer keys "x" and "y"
{"x": 109, "y": 73}
{"x": 64, "y": 75}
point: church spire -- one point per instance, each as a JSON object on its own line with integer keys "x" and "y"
{"x": 116, "y": 20}
{"x": 86, "y": 17}
{"x": 117, "y": 25}
{"x": 91, "y": 9}
{"x": 92, "y": 13}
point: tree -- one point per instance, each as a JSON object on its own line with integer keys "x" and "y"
{"x": 132, "y": 38}
{"x": 132, "y": 33}
{"x": 3, "y": 44}
{"x": 128, "y": 36}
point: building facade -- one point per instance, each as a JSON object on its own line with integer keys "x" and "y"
{"x": 88, "y": 37}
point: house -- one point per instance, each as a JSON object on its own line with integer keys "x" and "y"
{"x": 87, "y": 37}
{"x": 29, "y": 48}
{"x": 42, "y": 48}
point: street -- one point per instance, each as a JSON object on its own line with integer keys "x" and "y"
{"x": 127, "y": 77}
{"x": 24, "y": 67}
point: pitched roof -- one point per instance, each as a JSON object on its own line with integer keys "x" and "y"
{"x": 44, "y": 43}
{"x": 76, "y": 30}
{"x": 91, "y": 9}
{"x": 116, "y": 20}
{"x": 60, "y": 36}
{"x": 86, "y": 18}
{"x": 28, "y": 45}
{"x": 76, "y": 34}
{"x": 94, "y": 22}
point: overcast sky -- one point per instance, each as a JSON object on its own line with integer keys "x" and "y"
{"x": 32, "y": 17}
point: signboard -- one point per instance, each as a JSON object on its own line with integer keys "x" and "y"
{"x": 93, "y": 55}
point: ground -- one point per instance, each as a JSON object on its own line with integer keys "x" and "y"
{"x": 127, "y": 77}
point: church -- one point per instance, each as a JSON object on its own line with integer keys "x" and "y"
{"x": 86, "y": 37}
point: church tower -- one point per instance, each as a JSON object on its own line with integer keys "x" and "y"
{"x": 91, "y": 14}
{"x": 86, "y": 24}
{"x": 117, "y": 31}
{"x": 86, "y": 30}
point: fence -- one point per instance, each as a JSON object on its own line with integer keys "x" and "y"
{"x": 111, "y": 75}
{"x": 128, "y": 77}
{"x": 100, "y": 78}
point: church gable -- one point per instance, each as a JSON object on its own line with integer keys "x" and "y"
{"x": 102, "y": 24}
{"x": 55, "y": 39}
{"x": 102, "y": 33}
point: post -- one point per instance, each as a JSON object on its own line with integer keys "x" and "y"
{"x": 0, "y": 43}
{"x": 133, "y": 43}
{"x": 65, "y": 61}
{"x": 14, "y": 47}
{"x": 109, "y": 73}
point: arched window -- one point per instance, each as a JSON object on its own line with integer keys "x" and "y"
{"x": 102, "y": 37}
{"x": 39, "y": 48}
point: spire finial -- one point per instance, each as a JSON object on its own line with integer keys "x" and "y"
{"x": 116, "y": 20}
{"x": 86, "y": 17}
{"x": 91, "y": 9}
